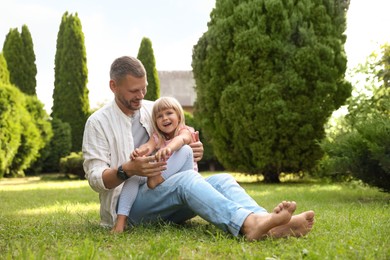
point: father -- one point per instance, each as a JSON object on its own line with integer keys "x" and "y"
{"x": 115, "y": 130}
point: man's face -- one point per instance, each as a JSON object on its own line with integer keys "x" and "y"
{"x": 129, "y": 93}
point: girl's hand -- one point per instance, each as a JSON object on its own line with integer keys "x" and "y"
{"x": 163, "y": 154}
{"x": 139, "y": 152}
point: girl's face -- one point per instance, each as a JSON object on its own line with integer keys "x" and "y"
{"x": 167, "y": 122}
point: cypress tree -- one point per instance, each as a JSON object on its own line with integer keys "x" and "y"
{"x": 19, "y": 53}
{"x": 30, "y": 68}
{"x": 70, "y": 96}
{"x": 269, "y": 74}
{"x": 13, "y": 54}
{"x": 146, "y": 56}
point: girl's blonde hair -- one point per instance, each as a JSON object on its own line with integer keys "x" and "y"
{"x": 164, "y": 103}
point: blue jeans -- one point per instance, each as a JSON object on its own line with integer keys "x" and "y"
{"x": 218, "y": 199}
{"x": 181, "y": 160}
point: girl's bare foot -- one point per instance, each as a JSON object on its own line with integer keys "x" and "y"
{"x": 120, "y": 224}
{"x": 257, "y": 226}
{"x": 153, "y": 182}
{"x": 299, "y": 225}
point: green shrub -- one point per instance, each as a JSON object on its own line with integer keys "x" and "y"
{"x": 42, "y": 122}
{"x": 11, "y": 100}
{"x": 362, "y": 153}
{"x": 73, "y": 164}
{"x": 24, "y": 130}
{"x": 59, "y": 147}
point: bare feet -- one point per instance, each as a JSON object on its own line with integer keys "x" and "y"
{"x": 120, "y": 225}
{"x": 299, "y": 225}
{"x": 153, "y": 182}
{"x": 257, "y": 226}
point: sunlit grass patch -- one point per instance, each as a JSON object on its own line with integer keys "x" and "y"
{"x": 61, "y": 208}
{"x": 52, "y": 219}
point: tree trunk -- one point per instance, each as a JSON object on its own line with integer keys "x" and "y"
{"x": 271, "y": 177}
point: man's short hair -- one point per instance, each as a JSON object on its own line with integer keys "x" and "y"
{"x": 126, "y": 65}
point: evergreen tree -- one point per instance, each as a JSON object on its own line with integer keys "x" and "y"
{"x": 269, "y": 73}
{"x": 18, "y": 51}
{"x": 30, "y": 68}
{"x": 146, "y": 56}
{"x": 4, "y": 73}
{"x": 13, "y": 54}
{"x": 70, "y": 96}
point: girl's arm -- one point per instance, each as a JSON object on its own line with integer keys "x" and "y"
{"x": 184, "y": 137}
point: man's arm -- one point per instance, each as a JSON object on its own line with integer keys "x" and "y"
{"x": 141, "y": 166}
{"x": 100, "y": 174}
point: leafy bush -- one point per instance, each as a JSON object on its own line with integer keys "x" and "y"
{"x": 361, "y": 147}
{"x": 11, "y": 100}
{"x": 41, "y": 120}
{"x": 59, "y": 147}
{"x": 362, "y": 154}
{"x": 24, "y": 130}
{"x": 73, "y": 164}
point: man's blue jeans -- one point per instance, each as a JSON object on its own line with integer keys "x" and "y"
{"x": 218, "y": 199}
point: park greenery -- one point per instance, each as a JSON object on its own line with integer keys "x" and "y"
{"x": 269, "y": 75}
{"x": 360, "y": 145}
{"x": 146, "y": 56}
{"x": 70, "y": 96}
{"x": 18, "y": 50}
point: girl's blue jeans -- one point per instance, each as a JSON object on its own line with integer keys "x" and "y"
{"x": 219, "y": 199}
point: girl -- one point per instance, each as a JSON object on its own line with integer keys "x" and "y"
{"x": 171, "y": 137}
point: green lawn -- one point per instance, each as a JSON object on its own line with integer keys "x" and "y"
{"x": 47, "y": 218}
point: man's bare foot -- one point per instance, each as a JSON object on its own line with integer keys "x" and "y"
{"x": 299, "y": 225}
{"x": 257, "y": 226}
{"x": 120, "y": 225}
{"x": 153, "y": 182}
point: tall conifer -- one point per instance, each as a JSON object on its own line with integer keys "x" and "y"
{"x": 146, "y": 56}
{"x": 30, "y": 69}
{"x": 19, "y": 53}
{"x": 70, "y": 96}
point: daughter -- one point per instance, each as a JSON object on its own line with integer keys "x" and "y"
{"x": 171, "y": 137}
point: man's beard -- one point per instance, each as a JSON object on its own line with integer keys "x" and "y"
{"x": 130, "y": 105}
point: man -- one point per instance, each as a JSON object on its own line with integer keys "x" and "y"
{"x": 114, "y": 131}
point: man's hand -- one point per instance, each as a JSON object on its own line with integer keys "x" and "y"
{"x": 142, "y": 166}
{"x": 197, "y": 147}
{"x": 146, "y": 166}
